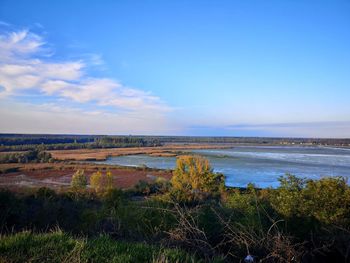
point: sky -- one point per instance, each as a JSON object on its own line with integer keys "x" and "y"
{"x": 184, "y": 67}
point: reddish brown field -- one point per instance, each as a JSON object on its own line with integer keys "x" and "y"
{"x": 58, "y": 176}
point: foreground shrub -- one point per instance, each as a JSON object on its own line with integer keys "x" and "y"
{"x": 44, "y": 209}
{"x": 196, "y": 228}
{"x": 287, "y": 199}
{"x": 248, "y": 207}
{"x": 300, "y": 221}
{"x": 142, "y": 220}
{"x": 326, "y": 200}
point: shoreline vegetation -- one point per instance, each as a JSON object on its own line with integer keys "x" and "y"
{"x": 55, "y": 208}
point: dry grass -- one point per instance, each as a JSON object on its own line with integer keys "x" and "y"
{"x": 103, "y": 154}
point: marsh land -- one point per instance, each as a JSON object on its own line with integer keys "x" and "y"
{"x": 122, "y": 199}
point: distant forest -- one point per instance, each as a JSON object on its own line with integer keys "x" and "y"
{"x": 25, "y": 142}
{"x": 251, "y": 140}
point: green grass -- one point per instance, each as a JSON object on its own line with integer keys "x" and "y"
{"x": 60, "y": 247}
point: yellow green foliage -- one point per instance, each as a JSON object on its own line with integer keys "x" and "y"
{"x": 79, "y": 180}
{"x": 101, "y": 182}
{"x": 287, "y": 198}
{"x": 327, "y": 199}
{"x": 193, "y": 176}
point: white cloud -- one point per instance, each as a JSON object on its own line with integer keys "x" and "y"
{"x": 22, "y": 68}
{"x": 19, "y": 44}
{"x": 64, "y": 70}
{"x": 26, "y": 67}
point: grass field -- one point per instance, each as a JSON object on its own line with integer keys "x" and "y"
{"x": 59, "y": 247}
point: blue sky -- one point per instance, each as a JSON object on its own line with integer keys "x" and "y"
{"x": 233, "y": 68}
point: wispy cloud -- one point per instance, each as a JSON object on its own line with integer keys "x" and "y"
{"x": 3, "y": 23}
{"x": 23, "y": 68}
{"x": 27, "y": 68}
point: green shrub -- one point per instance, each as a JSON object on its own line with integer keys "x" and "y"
{"x": 326, "y": 200}
{"x": 273, "y": 223}
{"x": 159, "y": 186}
{"x": 287, "y": 199}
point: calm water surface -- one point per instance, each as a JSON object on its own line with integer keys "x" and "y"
{"x": 261, "y": 165}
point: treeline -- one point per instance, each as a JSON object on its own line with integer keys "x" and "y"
{"x": 53, "y": 142}
{"x": 60, "y": 142}
{"x": 252, "y": 140}
{"x": 26, "y": 139}
{"x": 32, "y": 156}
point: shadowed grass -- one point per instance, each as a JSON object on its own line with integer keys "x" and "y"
{"x": 60, "y": 247}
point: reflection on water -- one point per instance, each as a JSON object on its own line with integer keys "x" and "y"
{"x": 257, "y": 164}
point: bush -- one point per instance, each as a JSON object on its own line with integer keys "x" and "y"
{"x": 302, "y": 220}
{"x": 79, "y": 180}
{"x": 159, "y": 186}
{"x": 44, "y": 209}
{"x": 102, "y": 183}
{"x": 326, "y": 200}
{"x": 245, "y": 207}
{"x": 287, "y": 199}
{"x": 193, "y": 179}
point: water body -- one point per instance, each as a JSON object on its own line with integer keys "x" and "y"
{"x": 261, "y": 165}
